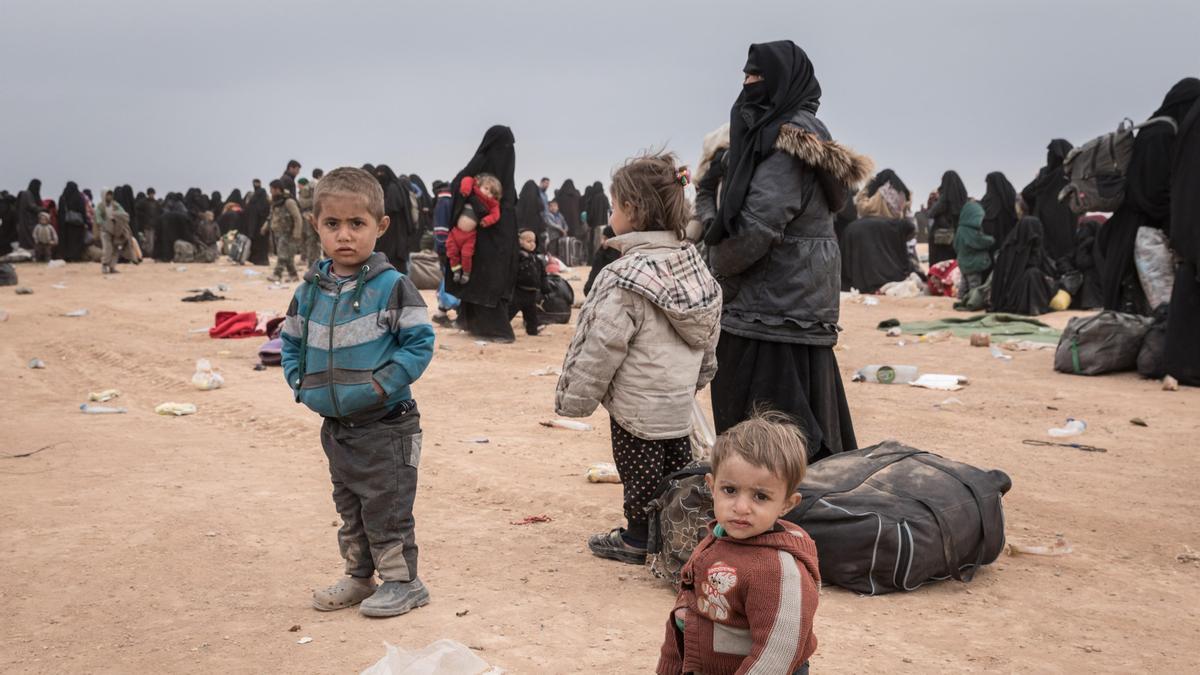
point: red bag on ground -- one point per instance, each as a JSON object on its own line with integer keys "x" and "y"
{"x": 235, "y": 325}
{"x": 941, "y": 278}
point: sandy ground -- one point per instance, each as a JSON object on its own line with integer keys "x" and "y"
{"x": 140, "y": 543}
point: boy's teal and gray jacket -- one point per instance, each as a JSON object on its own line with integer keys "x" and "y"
{"x": 340, "y": 336}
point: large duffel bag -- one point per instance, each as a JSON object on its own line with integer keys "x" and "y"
{"x": 557, "y": 300}
{"x": 425, "y": 270}
{"x": 885, "y": 518}
{"x": 1107, "y": 342}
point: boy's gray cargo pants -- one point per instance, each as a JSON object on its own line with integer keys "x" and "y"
{"x": 374, "y": 472}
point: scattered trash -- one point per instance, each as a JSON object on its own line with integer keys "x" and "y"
{"x": 909, "y": 288}
{"x": 936, "y": 336}
{"x": 1188, "y": 555}
{"x": 304, "y": 640}
{"x": 181, "y": 268}
{"x": 197, "y": 330}
{"x": 1059, "y": 547}
{"x": 870, "y": 300}
{"x": 176, "y": 409}
{"x": 1170, "y": 384}
{"x": 77, "y": 313}
{"x": 603, "y": 472}
{"x": 205, "y": 296}
{"x": 53, "y": 264}
{"x": 59, "y": 286}
{"x": 1025, "y": 346}
{"x": 251, "y": 273}
{"x": 981, "y": 340}
{"x": 548, "y": 370}
{"x": 948, "y": 402}
{"x": 294, "y": 629}
{"x": 478, "y": 439}
{"x": 940, "y": 382}
{"x": 3, "y": 315}
{"x": 1073, "y": 446}
{"x": 462, "y": 613}
{"x": 259, "y": 366}
{"x": 444, "y": 657}
{"x": 530, "y": 520}
{"x": 89, "y": 409}
{"x": 1138, "y": 422}
{"x": 210, "y": 533}
{"x": 205, "y": 378}
{"x": 23, "y": 290}
{"x": 1073, "y": 427}
{"x": 37, "y": 364}
{"x": 997, "y": 354}
{"x": 222, "y": 287}
{"x": 887, "y": 374}
{"x": 567, "y": 424}
{"x": 895, "y": 331}
{"x": 102, "y": 396}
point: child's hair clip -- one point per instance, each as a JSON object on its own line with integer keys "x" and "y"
{"x": 684, "y": 176}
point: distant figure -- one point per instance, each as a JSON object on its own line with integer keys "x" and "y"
{"x": 1147, "y": 201}
{"x": 544, "y": 187}
{"x": 72, "y": 215}
{"x": 531, "y": 272}
{"x": 530, "y": 212}
{"x": 289, "y": 177}
{"x": 396, "y": 204}
{"x": 999, "y": 209}
{"x": 1041, "y": 201}
{"x": 482, "y": 210}
{"x": 1023, "y": 281}
{"x": 944, "y": 215}
{"x": 597, "y": 208}
{"x": 29, "y": 205}
{"x": 258, "y": 210}
{"x": 1183, "y": 323}
{"x": 311, "y": 246}
{"x": 972, "y": 248}
{"x": 45, "y": 239}
{"x": 116, "y": 237}
{"x": 287, "y": 228}
{"x": 570, "y": 205}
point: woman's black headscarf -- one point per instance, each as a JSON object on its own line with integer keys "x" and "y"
{"x": 71, "y": 199}
{"x": 999, "y": 207}
{"x": 495, "y": 265}
{"x": 1179, "y": 99}
{"x": 789, "y": 84}
{"x": 952, "y": 195}
{"x": 570, "y": 204}
{"x": 529, "y": 209}
{"x": 215, "y": 203}
{"x": 888, "y": 176}
{"x": 235, "y": 197}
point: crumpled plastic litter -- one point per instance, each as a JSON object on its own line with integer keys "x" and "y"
{"x": 548, "y": 370}
{"x": 76, "y": 313}
{"x": 56, "y": 263}
{"x": 89, "y": 409}
{"x": 940, "y": 382}
{"x": 444, "y": 657}
{"x": 1059, "y": 547}
{"x": 37, "y": 364}
{"x": 567, "y": 424}
{"x": 205, "y": 378}
{"x": 603, "y": 472}
{"x": 176, "y": 409}
{"x": 105, "y": 395}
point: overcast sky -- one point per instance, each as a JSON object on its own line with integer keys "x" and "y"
{"x": 212, "y": 94}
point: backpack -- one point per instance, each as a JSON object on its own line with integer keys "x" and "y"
{"x": 558, "y": 298}
{"x": 185, "y": 252}
{"x": 1096, "y": 170}
{"x": 1101, "y": 343}
{"x": 884, "y": 518}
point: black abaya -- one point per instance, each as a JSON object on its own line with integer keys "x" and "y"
{"x": 952, "y": 195}
{"x": 484, "y": 308}
{"x": 29, "y": 202}
{"x": 258, "y": 209}
{"x": 1183, "y": 324}
{"x": 1022, "y": 281}
{"x": 1041, "y": 201}
{"x": 801, "y": 381}
{"x": 999, "y": 208}
{"x": 570, "y": 205}
{"x": 529, "y": 212}
{"x": 72, "y": 219}
{"x": 875, "y": 252}
{"x": 394, "y": 242}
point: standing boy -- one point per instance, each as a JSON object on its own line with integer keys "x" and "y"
{"x": 287, "y": 227}
{"x": 45, "y": 238}
{"x": 357, "y": 335}
{"x": 531, "y": 272}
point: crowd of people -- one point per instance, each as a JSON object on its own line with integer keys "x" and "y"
{"x": 738, "y": 291}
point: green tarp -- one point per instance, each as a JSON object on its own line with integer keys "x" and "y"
{"x": 1008, "y": 326}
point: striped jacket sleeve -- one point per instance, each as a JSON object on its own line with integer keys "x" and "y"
{"x": 408, "y": 319}
{"x": 779, "y": 624}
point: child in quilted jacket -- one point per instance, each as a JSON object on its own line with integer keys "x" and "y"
{"x": 645, "y": 342}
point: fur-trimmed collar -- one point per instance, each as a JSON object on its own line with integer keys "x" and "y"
{"x": 839, "y": 161}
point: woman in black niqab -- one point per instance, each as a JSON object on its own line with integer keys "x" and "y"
{"x": 29, "y": 202}
{"x": 570, "y": 205}
{"x": 235, "y": 197}
{"x": 1147, "y": 201}
{"x": 394, "y": 242}
{"x": 72, "y": 218}
{"x": 788, "y": 84}
{"x": 1182, "y": 359}
{"x": 952, "y": 195}
{"x": 529, "y": 212}
{"x": 484, "y": 308}
{"x": 1022, "y": 280}
{"x": 1041, "y": 201}
{"x": 999, "y": 208}
{"x": 597, "y": 206}
{"x": 258, "y": 209}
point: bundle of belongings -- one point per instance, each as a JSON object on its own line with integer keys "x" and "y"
{"x": 228, "y": 325}
{"x": 885, "y": 518}
{"x": 1111, "y": 342}
{"x": 425, "y": 270}
{"x": 557, "y": 299}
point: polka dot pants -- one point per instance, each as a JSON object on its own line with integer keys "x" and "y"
{"x": 643, "y": 465}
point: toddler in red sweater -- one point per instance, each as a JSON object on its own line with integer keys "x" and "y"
{"x": 749, "y": 592}
{"x": 482, "y": 193}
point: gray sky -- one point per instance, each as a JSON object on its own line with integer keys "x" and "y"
{"x": 212, "y": 94}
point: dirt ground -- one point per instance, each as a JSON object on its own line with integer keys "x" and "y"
{"x": 141, "y": 543}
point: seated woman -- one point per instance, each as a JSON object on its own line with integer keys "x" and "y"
{"x": 875, "y": 246}
{"x": 1023, "y": 279}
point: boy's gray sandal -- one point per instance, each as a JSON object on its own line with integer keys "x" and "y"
{"x": 394, "y": 598}
{"x": 347, "y": 592}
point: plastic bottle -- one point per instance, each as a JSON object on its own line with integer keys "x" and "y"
{"x": 1073, "y": 427}
{"x": 887, "y": 374}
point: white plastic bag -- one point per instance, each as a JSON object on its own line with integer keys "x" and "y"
{"x": 205, "y": 378}
{"x": 1155, "y": 265}
{"x": 444, "y": 657}
{"x": 703, "y": 435}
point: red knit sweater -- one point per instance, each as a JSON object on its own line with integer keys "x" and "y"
{"x": 750, "y": 605}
